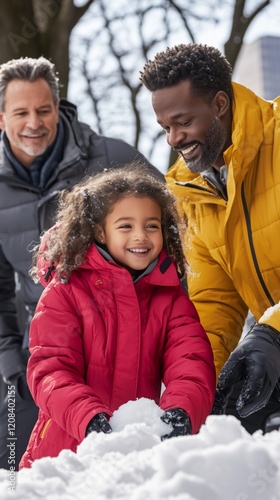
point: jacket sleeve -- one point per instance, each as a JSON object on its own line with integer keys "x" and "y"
{"x": 221, "y": 310}
{"x": 56, "y": 370}
{"x": 12, "y": 359}
{"x": 120, "y": 153}
{"x": 188, "y": 367}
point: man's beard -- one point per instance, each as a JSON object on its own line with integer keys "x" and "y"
{"x": 38, "y": 147}
{"x": 211, "y": 149}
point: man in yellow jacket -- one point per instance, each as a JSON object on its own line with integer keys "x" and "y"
{"x": 227, "y": 182}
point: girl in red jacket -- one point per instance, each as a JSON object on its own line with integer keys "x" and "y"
{"x": 114, "y": 322}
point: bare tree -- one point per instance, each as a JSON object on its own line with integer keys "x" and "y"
{"x": 122, "y": 36}
{"x": 240, "y": 24}
{"x": 39, "y": 27}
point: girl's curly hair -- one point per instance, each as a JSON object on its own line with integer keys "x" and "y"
{"x": 86, "y": 206}
{"x": 205, "y": 66}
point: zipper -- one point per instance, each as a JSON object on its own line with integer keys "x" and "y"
{"x": 255, "y": 260}
{"x": 216, "y": 187}
{"x": 44, "y": 430}
{"x": 199, "y": 188}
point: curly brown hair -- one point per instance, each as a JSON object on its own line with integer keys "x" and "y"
{"x": 207, "y": 69}
{"x": 86, "y": 206}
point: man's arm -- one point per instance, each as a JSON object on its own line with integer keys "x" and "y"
{"x": 12, "y": 359}
{"x": 221, "y": 310}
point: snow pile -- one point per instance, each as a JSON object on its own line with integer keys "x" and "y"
{"x": 222, "y": 462}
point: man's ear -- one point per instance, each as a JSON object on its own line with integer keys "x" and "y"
{"x": 100, "y": 234}
{"x": 221, "y": 103}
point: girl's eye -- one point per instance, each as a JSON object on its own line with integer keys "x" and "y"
{"x": 125, "y": 226}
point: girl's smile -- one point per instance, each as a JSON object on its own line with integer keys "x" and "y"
{"x": 132, "y": 232}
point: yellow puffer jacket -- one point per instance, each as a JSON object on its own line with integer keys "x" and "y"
{"x": 234, "y": 246}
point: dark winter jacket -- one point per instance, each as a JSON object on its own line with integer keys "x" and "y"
{"x": 26, "y": 211}
{"x": 101, "y": 340}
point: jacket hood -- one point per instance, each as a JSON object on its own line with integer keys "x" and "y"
{"x": 164, "y": 268}
{"x": 82, "y": 136}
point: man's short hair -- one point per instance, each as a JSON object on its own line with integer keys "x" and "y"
{"x": 207, "y": 69}
{"x": 28, "y": 69}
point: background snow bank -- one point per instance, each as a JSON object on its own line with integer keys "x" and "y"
{"x": 222, "y": 462}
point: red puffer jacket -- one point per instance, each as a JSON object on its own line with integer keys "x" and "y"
{"x": 102, "y": 340}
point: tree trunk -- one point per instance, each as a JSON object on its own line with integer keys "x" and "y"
{"x": 19, "y": 33}
{"x": 240, "y": 24}
{"x": 34, "y": 28}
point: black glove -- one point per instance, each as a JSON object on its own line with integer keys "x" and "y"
{"x": 219, "y": 403}
{"x": 179, "y": 420}
{"x": 99, "y": 423}
{"x": 256, "y": 360}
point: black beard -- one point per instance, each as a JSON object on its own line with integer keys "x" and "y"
{"x": 211, "y": 149}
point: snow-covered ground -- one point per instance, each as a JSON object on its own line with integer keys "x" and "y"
{"x": 222, "y": 462}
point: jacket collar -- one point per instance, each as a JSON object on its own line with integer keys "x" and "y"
{"x": 42, "y": 166}
{"x": 161, "y": 271}
{"x": 215, "y": 180}
{"x": 104, "y": 252}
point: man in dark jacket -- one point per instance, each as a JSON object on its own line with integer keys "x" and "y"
{"x": 43, "y": 150}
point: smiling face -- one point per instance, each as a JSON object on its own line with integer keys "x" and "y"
{"x": 195, "y": 127}
{"x": 132, "y": 232}
{"x": 30, "y": 118}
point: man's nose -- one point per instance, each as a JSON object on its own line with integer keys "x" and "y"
{"x": 175, "y": 137}
{"x": 34, "y": 121}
